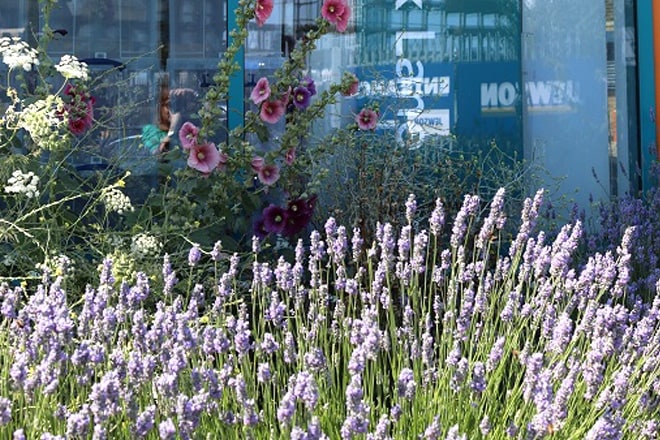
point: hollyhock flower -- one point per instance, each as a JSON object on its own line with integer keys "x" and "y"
{"x": 343, "y": 18}
{"x": 367, "y": 119}
{"x": 301, "y": 97}
{"x": 204, "y": 158}
{"x": 331, "y": 10}
{"x": 261, "y": 91}
{"x": 188, "y": 135}
{"x": 269, "y": 174}
{"x": 271, "y": 111}
{"x": 275, "y": 218}
{"x": 290, "y": 156}
{"x": 351, "y": 84}
{"x": 259, "y": 228}
{"x": 78, "y": 126}
{"x": 257, "y": 163}
{"x": 262, "y": 11}
{"x": 308, "y": 83}
{"x": 224, "y": 159}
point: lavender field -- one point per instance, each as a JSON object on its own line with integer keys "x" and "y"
{"x": 411, "y": 336}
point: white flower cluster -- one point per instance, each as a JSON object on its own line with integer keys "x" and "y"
{"x": 116, "y": 201}
{"x": 17, "y": 53}
{"x": 23, "y": 183}
{"x": 70, "y": 67}
{"x": 145, "y": 245}
{"x": 42, "y": 119}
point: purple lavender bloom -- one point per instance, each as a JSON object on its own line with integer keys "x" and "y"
{"x": 561, "y": 334}
{"x": 100, "y": 432}
{"x": 167, "y": 430}
{"x": 19, "y": 434}
{"x": 354, "y": 424}
{"x": 268, "y": 344}
{"x": 411, "y": 208}
{"x": 194, "y": 255}
{"x": 289, "y": 348}
{"x": 77, "y": 424}
{"x": 478, "y": 384}
{"x": 306, "y": 390}
{"x": 382, "y": 427}
{"x": 168, "y": 276}
{"x": 216, "y": 252}
{"x": 406, "y": 384}
{"x": 512, "y": 430}
{"x": 495, "y": 220}
{"x": 532, "y": 369}
{"x": 452, "y": 434}
{"x": 315, "y": 360}
{"x": 263, "y": 373}
{"x": 9, "y": 300}
{"x": 145, "y": 422}
{"x": 432, "y": 432}
{"x": 437, "y": 218}
{"x": 469, "y": 209}
{"x": 607, "y": 427}
{"x": 5, "y": 411}
{"x": 105, "y": 396}
{"x": 287, "y": 407}
{"x": 485, "y": 426}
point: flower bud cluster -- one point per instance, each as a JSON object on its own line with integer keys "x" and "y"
{"x": 116, "y": 201}
{"x": 23, "y": 183}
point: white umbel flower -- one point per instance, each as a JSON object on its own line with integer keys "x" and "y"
{"x": 70, "y": 67}
{"x": 42, "y": 119}
{"x": 23, "y": 183}
{"x": 145, "y": 245}
{"x": 17, "y": 53}
{"x": 116, "y": 201}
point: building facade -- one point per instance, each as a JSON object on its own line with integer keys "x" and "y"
{"x": 562, "y": 84}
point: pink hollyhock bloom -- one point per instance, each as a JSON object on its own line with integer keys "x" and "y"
{"x": 331, "y": 10}
{"x": 269, "y": 174}
{"x": 285, "y": 98}
{"x": 188, "y": 135}
{"x": 352, "y": 84}
{"x": 261, "y": 91}
{"x": 262, "y": 11}
{"x": 257, "y": 163}
{"x": 366, "y": 119}
{"x": 204, "y": 158}
{"x": 271, "y": 111}
{"x": 290, "y": 156}
{"x": 343, "y": 18}
{"x": 224, "y": 159}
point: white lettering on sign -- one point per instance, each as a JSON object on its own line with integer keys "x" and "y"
{"x": 539, "y": 95}
{"x": 426, "y": 86}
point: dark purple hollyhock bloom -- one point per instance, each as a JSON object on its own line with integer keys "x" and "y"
{"x": 308, "y": 83}
{"x": 299, "y": 213}
{"x": 301, "y": 97}
{"x": 259, "y": 228}
{"x": 275, "y": 219}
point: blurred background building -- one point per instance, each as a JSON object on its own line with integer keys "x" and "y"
{"x": 565, "y": 84}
